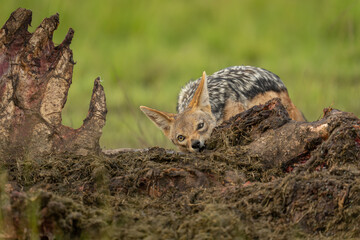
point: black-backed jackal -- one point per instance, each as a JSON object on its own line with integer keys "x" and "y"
{"x": 210, "y": 100}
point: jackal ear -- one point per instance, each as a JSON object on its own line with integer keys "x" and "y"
{"x": 163, "y": 120}
{"x": 201, "y": 96}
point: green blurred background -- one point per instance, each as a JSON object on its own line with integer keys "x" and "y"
{"x": 145, "y": 51}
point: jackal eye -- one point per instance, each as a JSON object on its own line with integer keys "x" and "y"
{"x": 200, "y": 126}
{"x": 180, "y": 138}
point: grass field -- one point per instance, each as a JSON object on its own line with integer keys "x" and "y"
{"x": 144, "y": 51}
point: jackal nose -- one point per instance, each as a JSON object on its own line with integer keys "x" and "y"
{"x": 196, "y": 145}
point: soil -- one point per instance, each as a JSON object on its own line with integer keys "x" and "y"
{"x": 229, "y": 191}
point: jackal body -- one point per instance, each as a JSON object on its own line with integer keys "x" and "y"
{"x": 210, "y": 100}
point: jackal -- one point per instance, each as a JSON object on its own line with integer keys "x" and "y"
{"x": 210, "y": 100}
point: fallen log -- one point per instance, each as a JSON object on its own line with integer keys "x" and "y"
{"x": 229, "y": 190}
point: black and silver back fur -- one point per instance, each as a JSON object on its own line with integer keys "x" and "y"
{"x": 238, "y": 83}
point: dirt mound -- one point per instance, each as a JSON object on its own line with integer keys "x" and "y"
{"x": 237, "y": 188}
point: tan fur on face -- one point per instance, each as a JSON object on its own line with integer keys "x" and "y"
{"x": 186, "y": 124}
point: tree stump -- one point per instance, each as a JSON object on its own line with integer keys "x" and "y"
{"x": 35, "y": 76}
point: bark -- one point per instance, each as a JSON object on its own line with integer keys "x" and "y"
{"x": 35, "y": 77}
{"x": 254, "y": 146}
{"x": 266, "y": 132}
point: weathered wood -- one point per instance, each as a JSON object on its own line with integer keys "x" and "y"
{"x": 35, "y": 76}
{"x": 260, "y": 140}
{"x": 267, "y": 133}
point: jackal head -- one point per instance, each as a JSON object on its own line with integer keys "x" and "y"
{"x": 189, "y": 129}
